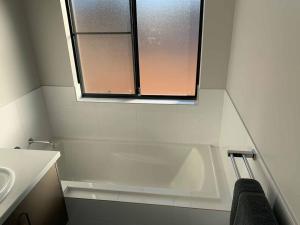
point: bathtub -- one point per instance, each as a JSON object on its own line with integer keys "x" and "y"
{"x": 164, "y": 174}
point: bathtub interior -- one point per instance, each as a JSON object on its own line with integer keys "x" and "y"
{"x": 161, "y": 169}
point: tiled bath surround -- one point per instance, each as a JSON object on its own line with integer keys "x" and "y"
{"x": 135, "y": 122}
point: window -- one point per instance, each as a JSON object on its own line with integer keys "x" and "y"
{"x": 136, "y": 48}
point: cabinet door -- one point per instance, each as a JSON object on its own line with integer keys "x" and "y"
{"x": 168, "y": 39}
{"x": 44, "y": 205}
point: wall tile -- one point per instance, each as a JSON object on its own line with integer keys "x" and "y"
{"x": 117, "y": 121}
{"x": 11, "y": 131}
{"x": 143, "y": 122}
{"x": 69, "y": 118}
{"x": 33, "y": 115}
{"x": 23, "y": 118}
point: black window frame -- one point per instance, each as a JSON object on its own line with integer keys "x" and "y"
{"x": 135, "y": 55}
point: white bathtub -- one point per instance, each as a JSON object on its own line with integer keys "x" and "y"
{"x": 164, "y": 174}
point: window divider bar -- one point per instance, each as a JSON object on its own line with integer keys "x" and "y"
{"x": 135, "y": 47}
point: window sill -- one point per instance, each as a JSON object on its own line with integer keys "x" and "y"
{"x": 138, "y": 101}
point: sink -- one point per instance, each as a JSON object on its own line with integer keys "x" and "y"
{"x": 7, "y": 180}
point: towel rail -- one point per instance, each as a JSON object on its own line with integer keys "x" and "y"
{"x": 244, "y": 155}
{"x": 236, "y": 169}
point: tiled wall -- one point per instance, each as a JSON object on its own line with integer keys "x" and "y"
{"x": 24, "y": 118}
{"x": 234, "y": 135}
{"x": 138, "y": 122}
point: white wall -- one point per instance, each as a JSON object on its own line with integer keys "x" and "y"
{"x": 137, "y": 122}
{"x": 24, "y": 118}
{"x": 234, "y": 136}
{"x": 217, "y": 30}
{"x": 263, "y": 81}
{"x": 71, "y": 119}
{"x": 22, "y": 109}
{"x": 18, "y": 74}
{"x": 48, "y": 33}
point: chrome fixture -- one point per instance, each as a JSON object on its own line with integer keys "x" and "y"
{"x": 244, "y": 155}
{"x": 46, "y": 142}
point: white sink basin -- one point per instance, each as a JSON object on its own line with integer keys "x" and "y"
{"x": 7, "y": 180}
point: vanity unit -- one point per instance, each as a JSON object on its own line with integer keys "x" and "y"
{"x": 36, "y": 197}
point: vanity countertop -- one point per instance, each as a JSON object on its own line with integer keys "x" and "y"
{"x": 29, "y": 166}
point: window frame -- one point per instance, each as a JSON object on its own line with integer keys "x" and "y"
{"x": 111, "y": 97}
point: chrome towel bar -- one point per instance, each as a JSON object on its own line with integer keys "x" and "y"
{"x": 244, "y": 155}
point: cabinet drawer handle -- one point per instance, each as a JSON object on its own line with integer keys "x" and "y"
{"x": 24, "y": 219}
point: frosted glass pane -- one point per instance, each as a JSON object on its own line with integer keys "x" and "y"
{"x": 168, "y": 46}
{"x": 101, "y": 15}
{"x": 106, "y": 63}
